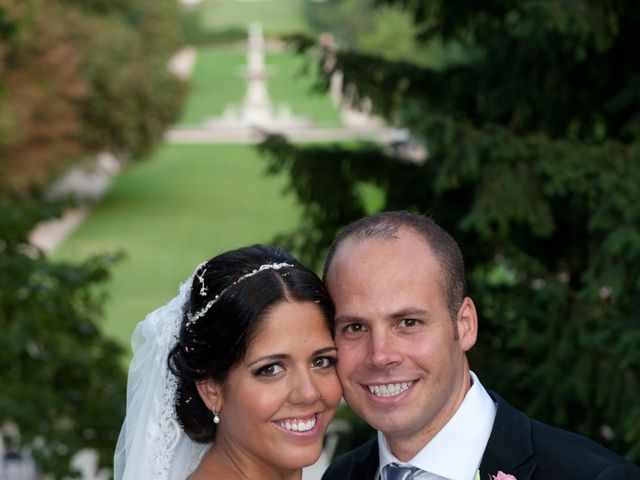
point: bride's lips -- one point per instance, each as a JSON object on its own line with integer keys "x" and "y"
{"x": 302, "y": 425}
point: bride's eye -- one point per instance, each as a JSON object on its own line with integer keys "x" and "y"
{"x": 269, "y": 370}
{"x": 323, "y": 362}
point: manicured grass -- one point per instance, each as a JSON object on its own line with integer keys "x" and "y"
{"x": 291, "y": 84}
{"x": 216, "y": 82}
{"x": 276, "y": 16}
{"x": 188, "y": 204}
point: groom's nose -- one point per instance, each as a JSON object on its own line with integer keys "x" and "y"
{"x": 383, "y": 351}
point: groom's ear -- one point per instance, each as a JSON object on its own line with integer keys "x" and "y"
{"x": 210, "y": 393}
{"x": 467, "y": 324}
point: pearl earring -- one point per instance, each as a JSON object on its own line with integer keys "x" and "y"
{"x": 216, "y": 417}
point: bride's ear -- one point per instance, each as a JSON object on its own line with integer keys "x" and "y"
{"x": 210, "y": 393}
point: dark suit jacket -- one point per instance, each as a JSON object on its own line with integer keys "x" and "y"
{"x": 518, "y": 445}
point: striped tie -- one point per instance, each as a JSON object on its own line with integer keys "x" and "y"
{"x": 393, "y": 471}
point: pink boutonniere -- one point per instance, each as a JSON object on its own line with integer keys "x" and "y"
{"x": 503, "y": 476}
{"x": 500, "y": 476}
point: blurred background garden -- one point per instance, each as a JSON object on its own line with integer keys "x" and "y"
{"x": 130, "y": 151}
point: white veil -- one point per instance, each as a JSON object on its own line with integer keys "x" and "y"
{"x": 152, "y": 445}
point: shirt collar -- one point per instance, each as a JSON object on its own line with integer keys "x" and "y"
{"x": 456, "y": 450}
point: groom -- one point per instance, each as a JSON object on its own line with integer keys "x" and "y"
{"x": 403, "y": 327}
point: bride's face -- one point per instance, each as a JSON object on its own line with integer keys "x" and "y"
{"x": 277, "y": 404}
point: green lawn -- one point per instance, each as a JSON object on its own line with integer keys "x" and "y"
{"x": 217, "y": 82}
{"x": 169, "y": 214}
{"x": 291, "y": 84}
{"x": 276, "y": 16}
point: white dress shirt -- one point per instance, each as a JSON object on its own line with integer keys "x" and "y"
{"x": 456, "y": 450}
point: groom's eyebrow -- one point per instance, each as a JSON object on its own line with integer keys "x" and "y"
{"x": 410, "y": 312}
{"x": 402, "y": 313}
{"x": 348, "y": 319}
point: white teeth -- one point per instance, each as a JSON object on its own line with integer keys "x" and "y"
{"x": 389, "y": 390}
{"x": 298, "y": 425}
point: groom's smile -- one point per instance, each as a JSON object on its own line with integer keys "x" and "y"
{"x": 389, "y": 389}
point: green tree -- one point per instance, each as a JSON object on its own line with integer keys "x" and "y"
{"x": 41, "y": 85}
{"x": 62, "y": 380}
{"x": 391, "y": 34}
{"x": 389, "y": 30}
{"x": 76, "y": 78}
{"x": 533, "y": 166}
{"x": 127, "y": 46}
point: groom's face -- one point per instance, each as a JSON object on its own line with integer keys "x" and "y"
{"x": 402, "y": 359}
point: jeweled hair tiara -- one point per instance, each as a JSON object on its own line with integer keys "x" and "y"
{"x": 192, "y": 317}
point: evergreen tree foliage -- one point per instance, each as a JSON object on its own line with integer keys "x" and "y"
{"x": 534, "y": 167}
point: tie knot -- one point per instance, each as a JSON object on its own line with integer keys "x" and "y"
{"x": 393, "y": 471}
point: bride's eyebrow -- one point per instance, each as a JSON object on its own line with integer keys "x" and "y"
{"x": 272, "y": 358}
{"x": 282, "y": 356}
{"x": 325, "y": 350}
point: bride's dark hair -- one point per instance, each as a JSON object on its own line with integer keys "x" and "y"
{"x": 212, "y": 344}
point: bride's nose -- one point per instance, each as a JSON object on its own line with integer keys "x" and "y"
{"x": 304, "y": 388}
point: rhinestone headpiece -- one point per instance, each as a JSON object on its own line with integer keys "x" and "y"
{"x": 192, "y": 317}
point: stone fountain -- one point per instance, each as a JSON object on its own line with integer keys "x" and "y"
{"x": 256, "y": 110}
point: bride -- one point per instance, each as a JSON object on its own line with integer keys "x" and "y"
{"x": 235, "y": 377}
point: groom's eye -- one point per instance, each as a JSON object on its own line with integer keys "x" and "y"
{"x": 355, "y": 328}
{"x": 409, "y": 322}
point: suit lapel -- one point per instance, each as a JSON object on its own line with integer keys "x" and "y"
{"x": 510, "y": 448}
{"x": 365, "y": 464}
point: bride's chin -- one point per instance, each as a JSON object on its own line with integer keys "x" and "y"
{"x": 302, "y": 457}
{"x": 302, "y": 462}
